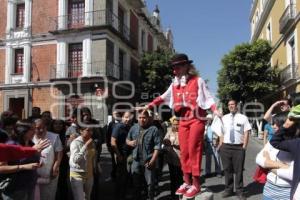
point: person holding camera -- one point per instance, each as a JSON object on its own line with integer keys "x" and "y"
{"x": 145, "y": 139}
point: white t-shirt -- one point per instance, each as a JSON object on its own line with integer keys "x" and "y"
{"x": 48, "y": 154}
{"x": 284, "y": 176}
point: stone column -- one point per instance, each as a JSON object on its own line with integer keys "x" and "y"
{"x": 9, "y": 64}
{"x": 27, "y": 63}
{"x": 62, "y": 62}
{"x": 28, "y": 8}
{"x": 89, "y": 12}
{"x": 87, "y": 57}
{"x": 62, "y": 15}
{"x": 10, "y": 16}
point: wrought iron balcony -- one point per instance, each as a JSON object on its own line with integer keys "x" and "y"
{"x": 287, "y": 18}
{"x": 289, "y": 73}
{"x": 94, "y": 19}
{"x": 96, "y": 69}
{"x": 105, "y": 68}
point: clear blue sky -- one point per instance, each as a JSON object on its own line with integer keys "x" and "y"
{"x": 205, "y": 30}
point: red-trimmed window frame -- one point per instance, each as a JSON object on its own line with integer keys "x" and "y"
{"x": 76, "y": 13}
{"x": 19, "y": 61}
{"x": 20, "y": 16}
{"x": 75, "y": 60}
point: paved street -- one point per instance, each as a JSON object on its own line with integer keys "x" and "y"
{"x": 216, "y": 185}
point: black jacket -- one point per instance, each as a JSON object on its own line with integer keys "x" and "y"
{"x": 293, "y": 146}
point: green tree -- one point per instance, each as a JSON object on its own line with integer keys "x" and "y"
{"x": 156, "y": 74}
{"x": 246, "y": 73}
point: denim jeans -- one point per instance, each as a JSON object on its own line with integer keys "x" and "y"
{"x": 139, "y": 172}
{"x": 81, "y": 188}
{"x": 211, "y": 151}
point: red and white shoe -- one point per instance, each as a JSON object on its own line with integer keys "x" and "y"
{"x": 191, "y": 192}
{"x": 182, "y": 189}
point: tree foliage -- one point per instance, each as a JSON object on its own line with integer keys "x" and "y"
{"x": 156, "y": 74}
{"x": 246, "y": 73}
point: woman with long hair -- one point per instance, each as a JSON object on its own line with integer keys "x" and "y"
{"x": 280, "y": 163}
{"x": 23, "y": 172}
{"x": 171, "y": 145}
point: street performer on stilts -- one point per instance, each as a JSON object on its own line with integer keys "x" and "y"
{"x": 189, "y": 97}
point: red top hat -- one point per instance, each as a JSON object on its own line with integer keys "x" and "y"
{"x": 180, "y": 59}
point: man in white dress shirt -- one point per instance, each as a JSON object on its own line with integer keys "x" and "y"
{"x": 234, "y": 140}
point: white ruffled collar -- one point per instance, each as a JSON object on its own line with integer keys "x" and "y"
{"x": 180, "y": 81}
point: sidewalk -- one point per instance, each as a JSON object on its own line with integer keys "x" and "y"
{"x": 257, "y": 140}
{"x": 214, "y": 185}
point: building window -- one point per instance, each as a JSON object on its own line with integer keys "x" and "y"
{"x": 17, "y": 106}
{"x": 150, "y": 43}
{"x": 143, "y": 40}
{"x": 109, "y": 12}
{"x": 19, "y": 61}
{"x": 20, "y": 16}
{"x": 134, "y": 71}
{"x": 121, "y": 17}
{"x": 75, "y": 60}
{"x": 121, "y": 63}
{"x": 109, "y": 5}
{"x": 72, "y": 103}
{"x": 291, "y": 51}
{"x": 110, "y": 58}
{"x": 134, "y": 30}
{"x": 76, "y": 13}
{"x": 269, "y": 32}
{"x": 257, "y": 17}
{"x": 110, "y": 51}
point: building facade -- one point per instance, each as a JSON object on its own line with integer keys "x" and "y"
{"x": 278, "y": 22}
{"x": 57, "y": 55}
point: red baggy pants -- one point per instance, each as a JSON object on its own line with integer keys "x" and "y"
{"x": 191, "y": 145}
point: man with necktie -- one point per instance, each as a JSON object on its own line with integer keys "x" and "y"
{"x": 234, "y": 136}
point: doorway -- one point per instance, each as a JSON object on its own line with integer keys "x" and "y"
{"x": 17, "y": 106}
